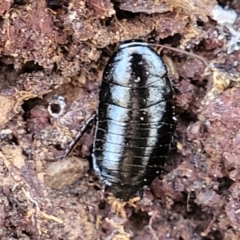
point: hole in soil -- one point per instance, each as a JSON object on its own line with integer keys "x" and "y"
{"x": 202, "y": 83}
{"x": 97, "y": 188}
{"x": 174, "y": 40}
{"x": 7, "y": 61}
{"x": 58, "y": 147}
{"x": 10, "y": 138}
{"x": 214, "y": 235}
{"x": 223, "y": 3}
{"x": 125, "y": 14}
{"x": 29, "y": 104}
{"x": 54, "y": 4}
{"x": 29, "y": 234}
{"x": 200, "y": 23}
{"x": 14, "y": 140}
{"x": 188, "y": 117}
{"x": 224, "y": 184}
{"x": 102, "y": 204}
{"x": 7, "y": 68}
{"x": 55, "y": 108}
{"x": 31, "y": 66}
{"x": 139, "y": 220}
{"x": 19, "y": 2}
{"x": 1, "y": 23}
{"x": 122, "y": 14}
{"x": 200, "y": 47}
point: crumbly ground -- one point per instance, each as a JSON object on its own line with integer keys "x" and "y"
{"x": 51, "y": 61}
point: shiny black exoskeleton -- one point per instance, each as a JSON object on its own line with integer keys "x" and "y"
{"x": 134, "y": 120}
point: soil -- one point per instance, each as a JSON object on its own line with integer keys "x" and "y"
{"x": 52, "y": 56}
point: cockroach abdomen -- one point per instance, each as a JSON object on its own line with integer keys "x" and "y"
{"x": 134, "y": 124}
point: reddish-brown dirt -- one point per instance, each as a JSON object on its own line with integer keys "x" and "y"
{"x": 51, "y": 61}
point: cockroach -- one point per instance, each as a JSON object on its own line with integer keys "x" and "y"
{"x": 134, "y": 119}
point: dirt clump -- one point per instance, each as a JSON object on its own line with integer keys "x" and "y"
{"x": 51, "y": 61}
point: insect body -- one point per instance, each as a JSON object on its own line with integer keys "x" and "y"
{"x": 134, "y": 119}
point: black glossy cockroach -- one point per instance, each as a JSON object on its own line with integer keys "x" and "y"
{"x": 134, "y": 120}
{"x": 135, "y": 123}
